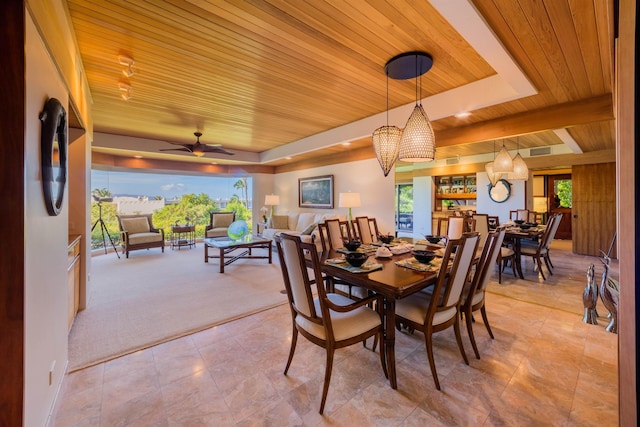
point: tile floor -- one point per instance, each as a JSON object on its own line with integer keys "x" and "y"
{"x": 545, "y": 367}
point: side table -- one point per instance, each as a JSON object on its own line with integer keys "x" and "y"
{"x": 183, "y": 235}
{"x": 260, "y": 226}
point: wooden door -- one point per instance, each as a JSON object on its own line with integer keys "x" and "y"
{"x": 561, "y": 202}
{"x": 594, "y": 208}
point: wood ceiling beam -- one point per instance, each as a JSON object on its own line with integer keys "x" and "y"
{"x": 558, "y": 116}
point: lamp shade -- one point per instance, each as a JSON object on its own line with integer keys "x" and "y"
{"x": 386, "y": 143}
{"x": 494, "y": 177}
{"x": 520, "y": 169}
{"x": 349, "y": 200}
{"x": 503, "y": 162}
{"x": 271, "y": 200}
{"x": 418, "y": 141}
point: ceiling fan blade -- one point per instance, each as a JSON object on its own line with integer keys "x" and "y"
{"x": 176, "y": 149}
{"x": 212, "y": 145}
{"x": 209, "y": 149}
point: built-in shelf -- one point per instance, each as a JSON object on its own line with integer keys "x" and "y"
{"x": 461, "y": 188}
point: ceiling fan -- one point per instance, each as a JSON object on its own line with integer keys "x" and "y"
{"x": 198, "y": 149}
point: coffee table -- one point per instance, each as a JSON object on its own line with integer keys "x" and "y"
{"x": 225, "y": 246}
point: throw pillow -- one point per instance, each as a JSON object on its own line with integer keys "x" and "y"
{"x": 307, "y": 231}
{"x": 135, "y": 225}
{"x": 280, "y": 222}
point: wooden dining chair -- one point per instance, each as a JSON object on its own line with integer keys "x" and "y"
{"x": 328, "y": 320}
{"x": 455, "y": 227}
{"x": 366, "y": 229}
{"x": 481, "y": 225}
{"x": 473, "y": 296}
{"x": 336, "y": 232}
{"x": 540, "y": 251}
{"x": 440, "y": 309}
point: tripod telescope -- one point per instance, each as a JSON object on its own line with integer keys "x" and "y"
{"x": 103, "y": 226}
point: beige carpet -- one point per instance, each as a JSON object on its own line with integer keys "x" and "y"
{"x": 154, "y": 297}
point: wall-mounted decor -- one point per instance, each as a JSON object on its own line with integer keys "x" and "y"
{"x": 316, "y": 192}
{"x": 53, "y": 154}
{"x": 501, "y": 191}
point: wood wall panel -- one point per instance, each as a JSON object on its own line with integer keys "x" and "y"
{"x": 594, "y": 207}
{"x": 12, "y": 263}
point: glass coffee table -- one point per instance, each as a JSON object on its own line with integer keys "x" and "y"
{"x": 245, "y": 245}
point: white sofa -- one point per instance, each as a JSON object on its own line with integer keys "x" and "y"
{"x": 303, "y": 224}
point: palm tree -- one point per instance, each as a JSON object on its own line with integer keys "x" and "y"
{"x": 243, "y": 186}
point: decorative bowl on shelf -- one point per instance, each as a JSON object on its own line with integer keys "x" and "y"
{"x": 351, "y": 245}
{"x": 356, "y": 259}
{"x": 423, "y": 256}
{"x": 386, "y": 238}
{"x": 433, "y": 239}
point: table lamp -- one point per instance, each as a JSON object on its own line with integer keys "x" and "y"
{"x": 349, "y": 200}
{"x": 271, "y": 200}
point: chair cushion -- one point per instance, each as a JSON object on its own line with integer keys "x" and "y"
{"x": 221, "y": 220}
{"x": 140, "y": 238}
{"x": 345, "y": 325}
{"x": 135, "y": 225}
{"x": 414, "y": 307}
{"x": 217, "y": 232}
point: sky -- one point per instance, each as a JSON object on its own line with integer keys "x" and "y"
{"x": 164, "y": 185}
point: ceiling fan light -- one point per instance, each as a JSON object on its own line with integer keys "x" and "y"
{"x": 418, "y": 141}
{"x": 386, "y": 143}
{"x": 520, "y": 169}
{"x": 503, "y": 163}
{"x": 494, "y": 177}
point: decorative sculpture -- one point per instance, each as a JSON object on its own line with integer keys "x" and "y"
{"x": 609, "y": 291}
{"x": 590, "y": 298}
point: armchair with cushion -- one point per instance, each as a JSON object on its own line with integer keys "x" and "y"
{"x": 138, "y": 232}
{"x": 219, "y": 223}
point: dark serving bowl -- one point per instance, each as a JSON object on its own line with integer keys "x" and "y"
{"x": 519, "y": 221}
{"x": 433, "y": 239}
{"x": 423, "y": 256}
{"x": 356, "y": 259}
{"x": 531, "y": 224}
{"x": 352, "y": 245}
{"x": 524, "y": 226}
{"x": 386, "y": 238}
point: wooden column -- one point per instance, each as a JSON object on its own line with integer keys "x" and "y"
{"x": 12, "y": 165}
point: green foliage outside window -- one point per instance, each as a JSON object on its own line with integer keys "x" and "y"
{"x": 405, "y": 202}
{"x": 565, "y": 192}
{"x": 194, "y": 207}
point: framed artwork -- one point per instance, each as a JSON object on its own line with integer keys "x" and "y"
{"x": 316, "y": 192}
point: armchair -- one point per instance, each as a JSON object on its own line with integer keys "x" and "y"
{"x": 138, "y": 232}
{"x": 219, "y": 223}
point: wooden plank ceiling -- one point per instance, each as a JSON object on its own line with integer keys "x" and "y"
{"x": 258, "y": 75}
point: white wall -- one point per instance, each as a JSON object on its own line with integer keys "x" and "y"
{"x": 484, "y": 204}
{"x": 261, "y": 186}
{"x": 365, "y": 177}
{"x": 46, "y": 239}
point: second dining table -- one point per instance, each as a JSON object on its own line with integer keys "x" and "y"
{"x": 516, "y": 234}
{"x": 393, "y": 282}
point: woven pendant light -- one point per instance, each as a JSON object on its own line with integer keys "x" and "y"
{"x": 386, "y": 142}
{"x": 503, "y": 162}
{"x": 418, "y": 141}
{"x": 494, "y": 177}
{"x": 520, "y": 169}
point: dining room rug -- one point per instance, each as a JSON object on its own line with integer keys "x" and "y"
{"x": 154, "y": 297}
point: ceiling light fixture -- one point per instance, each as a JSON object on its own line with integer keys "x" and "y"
{"x": 386, "y": 140}
{"x": 494, "y": 176}
{"x": 520, "y": 168}
{"x": 125, "y": 88}
{"x": 503, "y": 162}
{"x": 418, "y": 140}
{"x": 128, "y": 62}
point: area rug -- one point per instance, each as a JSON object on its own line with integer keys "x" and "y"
{"x": 154, "y": 297}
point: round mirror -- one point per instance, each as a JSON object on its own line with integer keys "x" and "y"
{"x": 500, "y": 192}
{"x": 53, "y": 154}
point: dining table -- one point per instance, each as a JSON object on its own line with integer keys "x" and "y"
{"x": 392, "y": 282}
{"x": 516, "y": 234}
